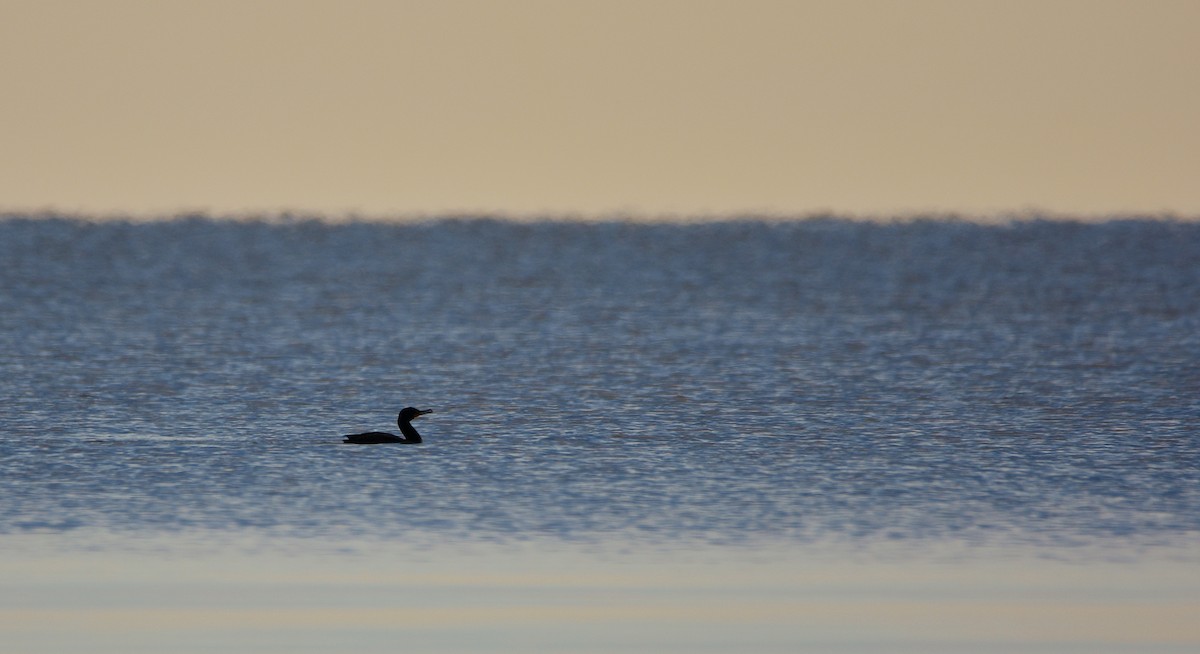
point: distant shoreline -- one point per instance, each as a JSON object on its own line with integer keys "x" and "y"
{"x": 401, "y": 218}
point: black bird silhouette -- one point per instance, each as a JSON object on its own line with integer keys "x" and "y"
{"x": 407, "y": 415}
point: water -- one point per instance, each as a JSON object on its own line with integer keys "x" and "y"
{"x": 718, "y": 382}
{"x": 751, "y": 387}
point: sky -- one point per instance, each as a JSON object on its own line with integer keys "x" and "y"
{"x": 599, "y": 108}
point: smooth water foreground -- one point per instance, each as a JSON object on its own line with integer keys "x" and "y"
{"x": 815, "y": 435}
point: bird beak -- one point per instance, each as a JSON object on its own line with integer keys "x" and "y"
{"x": 421, "y": 413}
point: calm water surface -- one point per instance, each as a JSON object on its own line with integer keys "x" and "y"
{"x": 737, "y": 387}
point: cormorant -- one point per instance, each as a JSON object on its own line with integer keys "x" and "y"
{"x": 407, "y": 414}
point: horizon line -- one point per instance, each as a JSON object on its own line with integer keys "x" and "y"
{"x": 292, "y": 215}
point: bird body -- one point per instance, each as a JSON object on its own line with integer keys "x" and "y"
{"x": 374, "y": 438}
{"x": 404, "y": 421}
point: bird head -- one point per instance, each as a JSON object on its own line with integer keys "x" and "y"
{"x": 409, "y": 413}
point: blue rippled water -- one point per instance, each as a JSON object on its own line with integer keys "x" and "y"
{"x": 822, "y": 379}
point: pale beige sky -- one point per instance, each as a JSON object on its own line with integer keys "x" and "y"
{"x": 650, "y": 106}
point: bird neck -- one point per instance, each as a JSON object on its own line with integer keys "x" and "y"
{"x": 410, "y": 433}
